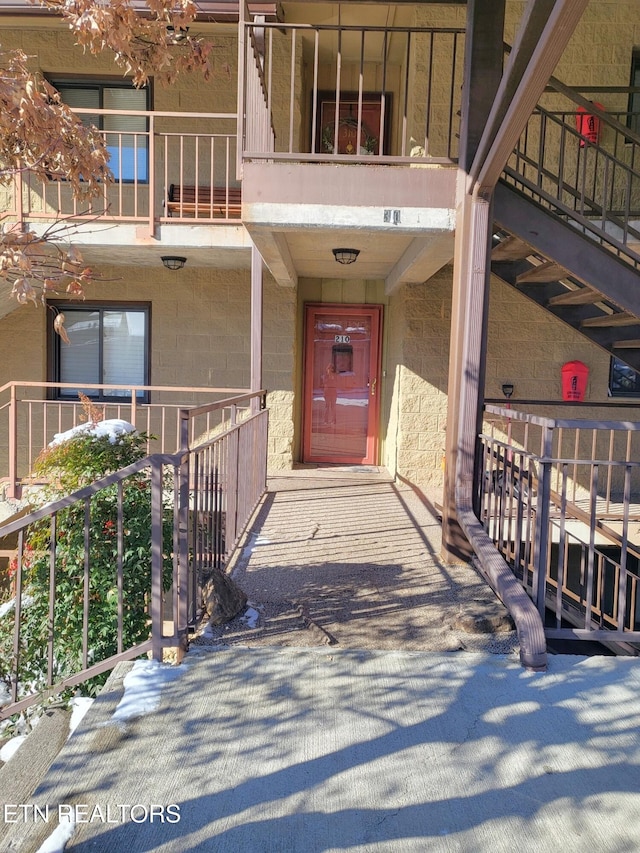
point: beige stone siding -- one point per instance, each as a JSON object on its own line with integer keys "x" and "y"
{"x": 416, "y": 394}
{"x": 200, "y": 337}
{"x": 527, "y": 346}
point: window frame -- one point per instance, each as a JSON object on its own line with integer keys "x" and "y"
{"x": 617, "y": 392}
{"x": 80, "y": 81}
{"x": 55, "y": 343}
{"x": 634, "y": 97}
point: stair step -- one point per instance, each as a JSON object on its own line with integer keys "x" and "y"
{"x": 543, "y": 273}
{"x": 581, "y": 296}
{"x": 511, "y": 249}
{"x": 632, "y": 343}
{"x": 609, "y": 320}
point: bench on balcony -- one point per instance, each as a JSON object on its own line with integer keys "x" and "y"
{"x": 207, "y": 202}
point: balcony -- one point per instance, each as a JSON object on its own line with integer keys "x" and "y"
{"x": 339, "y": 128}
{"x": 171, "y": 170}
{"x": 347, "y": 127}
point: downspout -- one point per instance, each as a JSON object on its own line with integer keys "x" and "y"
{"x": 477, "y": 219}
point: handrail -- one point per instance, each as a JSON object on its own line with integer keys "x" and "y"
{"x": 215, "y": 489}
{"x": 150, "y": 114}
{"x": 592, "y": 183}
{"x": 123, "y": 386}
{"x": 32, "y": 422}
{"x": 573, "y": 95}
{"x": 546, "y": 486}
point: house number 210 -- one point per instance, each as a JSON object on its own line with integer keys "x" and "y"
{"x": 343, "y": 339}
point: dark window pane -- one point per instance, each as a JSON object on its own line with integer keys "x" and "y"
{"x": 624, "y": 381}
{"x": 108, "y": 346}
{"x": 126, "y": 136}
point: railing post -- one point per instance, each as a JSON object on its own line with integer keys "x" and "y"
{"x": 542, "y": 522}
{"x": 231, "y": 496}
{"x": 12, "y": 491}
{"x": 134, "y": 401}
{"x": 152, "y": 176}
{"x": 183, "y": 438}
{"x": 242, "y": 59}
{"x": 181, "y": 582}
{"x": 18, "y": 202}
{"x": 156, "y": 559}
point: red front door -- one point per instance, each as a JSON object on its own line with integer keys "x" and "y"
{"x": 342, "y": 383}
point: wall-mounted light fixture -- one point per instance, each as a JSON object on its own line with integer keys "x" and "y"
{"x": 173, "y": 262}
{"x": 345, "y": 256}
{"x": 507, "y": 390}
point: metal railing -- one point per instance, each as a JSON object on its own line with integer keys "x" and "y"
{"x": 177, "y": 154}
{"x": 372, "y": 90}
{"x": 227, "y": 478}
{"x": 560, "y": 499}
{"x": 199, "y": 499}
{"x": 590, "y": 179}
{"x": 29, "y": 421}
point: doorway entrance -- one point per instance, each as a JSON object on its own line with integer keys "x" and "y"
{"x": 341, "y": 383}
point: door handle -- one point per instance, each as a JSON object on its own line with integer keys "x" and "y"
{"x": 373, "y": 387}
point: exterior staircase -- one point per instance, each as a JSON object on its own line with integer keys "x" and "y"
{"x": 567, "y": 273}
{"x": 567, "y": 223}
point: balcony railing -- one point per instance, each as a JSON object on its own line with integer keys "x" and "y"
{"x": 591, "y": 180}
{"x": 377, "y": 94}
{"x": 188, "y": 156}
{"x": 560, "y": 499}
{"x": 29, "y": 420}
{"x": 200, "y": 501}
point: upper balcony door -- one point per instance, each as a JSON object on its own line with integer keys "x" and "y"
{"x": 342, "y": 383}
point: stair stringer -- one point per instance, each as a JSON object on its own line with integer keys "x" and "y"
{"x": 585, "y": 260}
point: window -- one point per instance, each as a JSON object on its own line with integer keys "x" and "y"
{"x": 624, "y": 381}
{"x": 126, "y": 135}
{"x": 633, "y": 118}
{"x": 109, "y": 345}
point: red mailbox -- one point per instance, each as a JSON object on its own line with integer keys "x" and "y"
{"x": 588, "y": 125}
{"x": 574, "y": 381}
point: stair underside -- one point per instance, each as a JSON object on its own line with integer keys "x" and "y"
{"x": 568, "y": 274}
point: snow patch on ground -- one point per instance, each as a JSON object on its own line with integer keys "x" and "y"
{"x": 57, "y": 841}
{"x": 113, "y": 429}
{"x": 255, "y": 542}
{"x": 251, "y": 617}
{"x": 79, "y": 707}
{"x": 143, "y": 688}
{"x": 11, "y": 747}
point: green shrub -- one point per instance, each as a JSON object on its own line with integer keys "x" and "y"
{"x": 68, "y": 466}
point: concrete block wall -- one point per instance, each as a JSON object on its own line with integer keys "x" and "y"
{"x": 528, "y": 346}
{"x": 200, "y": 336}
{"x": 417, "y": 368}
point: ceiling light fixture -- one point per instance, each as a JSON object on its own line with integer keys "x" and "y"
{"x": 173, "y": 262}
{"x": 345, "y": 256}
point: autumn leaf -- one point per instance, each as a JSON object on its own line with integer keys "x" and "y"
{"x": 59, "y": 329}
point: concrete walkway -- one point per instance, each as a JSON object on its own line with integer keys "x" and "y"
{"x": 317, "y": 750}
{"x": 276, "y": 746}
{"x": 346, "y": 557}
